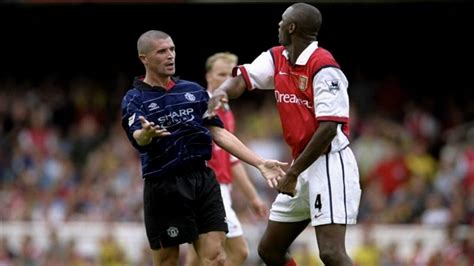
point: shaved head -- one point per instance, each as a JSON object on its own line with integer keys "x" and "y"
{"x": 144, "y": 43}
{"x": 306, "y": 17}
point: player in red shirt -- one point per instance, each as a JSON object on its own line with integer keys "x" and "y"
{"x": 322, "y": 185}
{"x": 228, "y": 169}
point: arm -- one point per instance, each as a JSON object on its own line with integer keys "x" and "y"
{"x": 231, "y": 88}
{"x": 270, "y": 169}
{"x": 242, "y": 181}
{"x": 316, "y": 147}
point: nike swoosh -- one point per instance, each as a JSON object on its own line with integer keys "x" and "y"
{"x": 318, "y": 215}
{"x": 282, "y": 73}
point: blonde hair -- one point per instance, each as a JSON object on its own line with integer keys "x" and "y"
{"x": 226, "y": 56}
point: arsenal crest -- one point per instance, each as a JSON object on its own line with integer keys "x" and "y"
{"x": 302, "y": 82}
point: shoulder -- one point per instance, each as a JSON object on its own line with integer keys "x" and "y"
{"x": 131, "y": 93}
{"x": 189, "y": 85}
{"x": 278, "y": 48}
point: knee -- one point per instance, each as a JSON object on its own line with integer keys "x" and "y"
{"x": 264, "y": 252}
{"x": 241, "y": 253}
{"x": 334, "y": 256}
{"x": 214, "y": 257}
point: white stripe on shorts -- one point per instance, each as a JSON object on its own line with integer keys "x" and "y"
{"x": 233, "y": 223}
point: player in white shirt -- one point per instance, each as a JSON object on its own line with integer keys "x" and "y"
{"x": 322, "y": 185}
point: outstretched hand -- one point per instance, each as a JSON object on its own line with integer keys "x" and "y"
{"x": 218, "y": 98}
{"x": 150, "y": 130}
{"x": 271, "y": 170}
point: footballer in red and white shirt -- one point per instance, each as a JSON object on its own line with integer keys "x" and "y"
{"x": 311, "y": 91}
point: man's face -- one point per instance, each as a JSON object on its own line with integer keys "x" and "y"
{"x": 283, "y": 30}
{"x": 220, "y": 71}
{"x": 161, "y": 58}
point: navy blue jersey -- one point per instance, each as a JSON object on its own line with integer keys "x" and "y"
{"x": 180, "y": 110}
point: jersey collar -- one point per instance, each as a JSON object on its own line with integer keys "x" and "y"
{"x": 138, "y": 83}
{"x": 304, "y": 56}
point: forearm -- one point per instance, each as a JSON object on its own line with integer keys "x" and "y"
{"x": 316, "y": 147}
{"x": 242, "y": 182}
{"x": 234, "y": 146}
{"x": 233, "y": 87}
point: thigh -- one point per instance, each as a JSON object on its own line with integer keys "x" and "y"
{"x": 287, "y": 209}
{"x": 169, "y": 216}
{"x": 334, "y": 190}
{"x": 278, "y": 236}
{"x": 191, "y": 256}
{"x": 210, "y": 212}
{"x": 331, "y": 236}
{"x": 166, "y": 256}
{"x": 235, "y": 228}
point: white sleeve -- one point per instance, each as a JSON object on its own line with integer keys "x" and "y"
{"x": 331, "y": 101}
{"x": 260, "y": 73}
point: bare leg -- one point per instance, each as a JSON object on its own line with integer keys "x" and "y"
{"x": 332, "y": 244}
{"x": 165, "y": 256}
{"x": 192, "y": 258}
{"x": 236, "y": 250}
{"x": 210, "y": 248}
{"x": 273, "y": 247}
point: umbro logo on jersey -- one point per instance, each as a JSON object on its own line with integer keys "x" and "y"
{"x": 153, "y": 106}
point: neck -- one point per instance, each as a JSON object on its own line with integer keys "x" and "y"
{"x": 296, "y": 47}
{"x": 155, "y": 80}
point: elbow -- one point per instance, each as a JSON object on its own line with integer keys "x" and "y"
{"x": 237, "y": 85}
{"x": 330, "y": 130}
{"x": 217, "y": 135}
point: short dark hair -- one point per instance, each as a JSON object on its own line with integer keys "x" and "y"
{"x": 144, "y": 42}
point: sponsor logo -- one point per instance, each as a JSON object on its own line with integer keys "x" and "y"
{"x": 176, "y": 117}
{"x": 292, "y": 99}
{"x": 153, "y": 106}
{"x": 172, "y": 231}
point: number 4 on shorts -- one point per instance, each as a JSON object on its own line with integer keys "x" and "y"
{"x": 317, "y": 203}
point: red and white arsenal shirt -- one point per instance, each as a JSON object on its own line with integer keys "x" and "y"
{"x": 313, "y": 90}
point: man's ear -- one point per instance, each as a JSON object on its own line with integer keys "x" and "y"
{"x": 142, "y": 57}
{"x": 292, "y": 28}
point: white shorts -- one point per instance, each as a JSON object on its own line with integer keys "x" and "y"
{"x": 235, "y": 228}
{"x": 328, "y": 192}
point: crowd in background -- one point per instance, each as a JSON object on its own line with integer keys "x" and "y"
{"x": 64, "y": 157}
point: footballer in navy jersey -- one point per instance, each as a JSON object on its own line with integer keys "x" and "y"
{"x": 165, "y": 121}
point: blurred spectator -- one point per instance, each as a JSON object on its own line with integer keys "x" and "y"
{"x": 367, "y": 254}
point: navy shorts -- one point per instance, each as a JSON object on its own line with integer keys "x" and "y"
{"x": 180, "y": 207}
